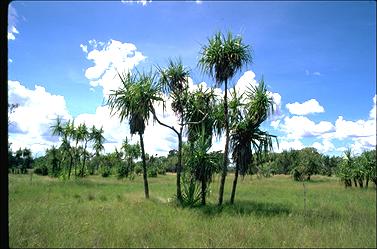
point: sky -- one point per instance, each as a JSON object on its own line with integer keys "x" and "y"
{"x": 318, "y": 60}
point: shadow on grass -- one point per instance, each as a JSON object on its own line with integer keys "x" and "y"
{"x": 246, "y": 208}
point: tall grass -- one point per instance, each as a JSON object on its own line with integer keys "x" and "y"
{"x": 106, "y": 212}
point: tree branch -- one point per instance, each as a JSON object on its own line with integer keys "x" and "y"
{"x": 158, "y": 121}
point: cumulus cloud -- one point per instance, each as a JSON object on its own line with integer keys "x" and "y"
{"x": 108, "y": 58}
{"x": 307, "y": 107}
{"x": 325, "y": 147}
{"x": 36, "y": 112}
{"x": 300, "y": 126}
{"x": 288, "y": 144}
{"x": 360, "y": 135}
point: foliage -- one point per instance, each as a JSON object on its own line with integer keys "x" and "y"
{"x": 201, "y": 165}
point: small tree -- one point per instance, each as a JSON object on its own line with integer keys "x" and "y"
{"x": 134, "y": 101}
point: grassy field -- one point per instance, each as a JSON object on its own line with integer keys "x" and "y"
{"x": 106, "y": 212}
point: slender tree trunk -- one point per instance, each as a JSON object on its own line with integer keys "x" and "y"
{"x": 70, "y": 167}
{"x": 355, "y": 182}
{"x": 225, "y": 160}
{"x": 234, "y": 185}
{"x": 361, "y": 185}
{"x": 84, "y": 159}
{"x": 179, "y": 166}
{"x": 366, "y": 181}
{"x": 146, "y": 190}
{"x": 204, "y": 189}
{"x": 76, "y": 152}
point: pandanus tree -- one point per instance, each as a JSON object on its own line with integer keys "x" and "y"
{"x": 134, "y": 101}
{"x": 86, "y": 137}
{"x": 69, "y": 133}
{"x": 98, "y": 140}
{"x": 64, "y": 130}
{"x": 174, "y": 82}
{"x": 222, "y": 58}
{"x": 247, "y": 139}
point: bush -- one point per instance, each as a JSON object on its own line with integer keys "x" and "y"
{"x": 152, "y": 172}
{"x": 42, "y": 170}
{"x": 123, "y": 170}
{"x": 105, "y": 172}
{"x": 138, "y": 169}
{"x": 161, "y": 171}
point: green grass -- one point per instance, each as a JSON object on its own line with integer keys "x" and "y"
{"x": 106, "y": 212}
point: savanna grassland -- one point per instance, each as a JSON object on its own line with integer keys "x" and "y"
{"x": 268, "y": 212}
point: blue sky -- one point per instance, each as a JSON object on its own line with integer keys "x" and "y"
{"x": 319, "y": 55}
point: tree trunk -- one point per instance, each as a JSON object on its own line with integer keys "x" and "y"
{"x": 355, "y": 182}
{"x": 76, "y": 152}
{"x": 234, "y": 185}
{"x": 84, "y": 159}
{"x": 308, "y": 178}
{"x": 225, "y": 160}
{"x": 361, "y": 185}
{"x": 204, "y": 187}
{"x": 70, "y": 167}
{"x": 366, "y": 181}
{"x": 146, "y": 190}
{"x": 179, "y": 165}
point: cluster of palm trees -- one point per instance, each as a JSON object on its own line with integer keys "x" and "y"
{"x": 358, "y": 169}
{"x": 74, "y": 145}
{"x": 200, "y": 113}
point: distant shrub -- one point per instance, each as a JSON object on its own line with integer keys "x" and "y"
{"x": 152, "y": 172}
{"x": 42, "y": 170}
{"x": 138, "y": 169}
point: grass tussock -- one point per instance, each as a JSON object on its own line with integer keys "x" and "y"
{"x": 106, "y": 212}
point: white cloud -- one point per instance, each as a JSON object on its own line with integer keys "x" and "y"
{"x": 288, "y": 144}
{"x": 307, "y": 72}
{"x": 309, "y": 106}
{"x": 247, "y": 79}
{"x": 325, "y": 147}
{"x": 84, "y": 48}
{"x": 142, "y": 2}
{"x": 31, "y": 121}
{"x": 360, "y": 128}
{"x": 10, "y": 60}
{"x": 299, "y": 126}
{"x": 11, "y": 36}
{"x": 12, "y": 20}
{"x": 275, "y": 123}
{"x": 108, "y": 58}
